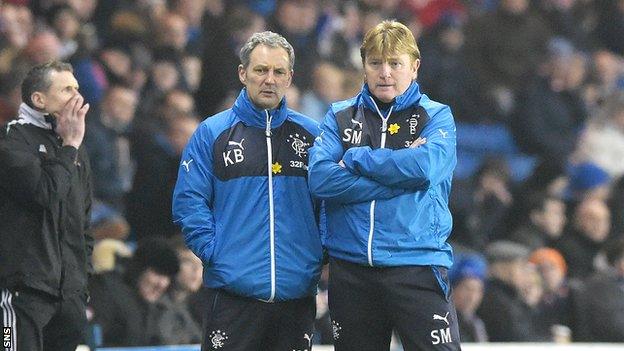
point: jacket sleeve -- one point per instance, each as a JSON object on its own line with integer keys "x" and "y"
{"x": 30, "y": 179}
{"x": 331, "y": 182}
{"x": 193, "y": 195}
{"x": 412, "y": 169}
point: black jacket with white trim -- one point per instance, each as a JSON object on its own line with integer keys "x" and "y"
{"x": 45, "y": 204}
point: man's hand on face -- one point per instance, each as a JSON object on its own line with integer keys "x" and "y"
{"x": 70, "y": 122}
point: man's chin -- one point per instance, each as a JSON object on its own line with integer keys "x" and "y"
{"x": 386, "y": 98}
{"x": 266, "y": 104}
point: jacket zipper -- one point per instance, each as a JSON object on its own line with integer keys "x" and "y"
{"x": 267, "y": 133}
{"x": 371, "y": 230}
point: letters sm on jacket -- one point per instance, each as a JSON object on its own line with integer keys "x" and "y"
{"x": 243, "y": 202}
{"x": 389, "y": 206}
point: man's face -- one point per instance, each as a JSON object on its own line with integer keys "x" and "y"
{"x": 120, "y": 105}
{"x": 64, "y": 86}
{"x": 593, "y": 219}
{"x": 152, "y": 285}
{"x": 267, "y": 76}
{"x": 390, "y": 77}
{"x": 467, "y": 295}
{"x": 551, "y": 218}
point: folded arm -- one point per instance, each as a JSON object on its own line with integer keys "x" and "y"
{"x": 330, "y": 181}
{"x": 410, "y": 168}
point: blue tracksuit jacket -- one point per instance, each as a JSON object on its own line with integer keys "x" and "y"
{"x": 243, "y": 202}
{"x": 389, "y": 205}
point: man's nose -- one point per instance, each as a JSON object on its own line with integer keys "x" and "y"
{"x": 270, "y": 77}
{"x": 385, "y": 70}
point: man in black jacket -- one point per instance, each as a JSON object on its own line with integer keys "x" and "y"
{"x": 45, "y": 202}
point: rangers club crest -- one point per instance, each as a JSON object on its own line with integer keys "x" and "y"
{"x": 218, "y": 338}
{"x": 299, "y": 144}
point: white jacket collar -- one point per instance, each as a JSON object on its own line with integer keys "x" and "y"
{"x": 28, "y": 115}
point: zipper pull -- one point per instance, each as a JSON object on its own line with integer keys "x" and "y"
{"x": 384, "y": 121}
{"x": 267, "y": 131}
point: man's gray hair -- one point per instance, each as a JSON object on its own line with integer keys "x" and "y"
{"x": 38, "y": 79}
{"x": 269, "y": 39}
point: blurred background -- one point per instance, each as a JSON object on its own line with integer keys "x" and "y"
{"x": 536, "y": 88}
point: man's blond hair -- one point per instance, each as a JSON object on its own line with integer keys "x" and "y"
{"x": 389, "y": 38}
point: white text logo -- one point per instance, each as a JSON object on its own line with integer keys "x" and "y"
{"x": 233, "y": 156}
{"x": 441, "y": 336}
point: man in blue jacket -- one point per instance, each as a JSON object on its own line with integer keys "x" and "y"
{"x": 243, "y": 202}
{"x": 383, "y": 165}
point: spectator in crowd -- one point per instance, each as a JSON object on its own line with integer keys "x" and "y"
{"x": 602, "y": 140}
{"x": 590, "y": 228}
{"x": 544, "y": 222}
{"x": 445, "y": 74}
{"x": 467, "y": 278}
{"x": 586, "y": 180}
{"x": 225, "y": 36}
{"x": 555, "y": 307}
{"x": 607, "y": 77}
{"x": 601, "y": 309}
{"x": 491, "y": 199}
{"x": 297, "y": 21}
{"x": 45, "y": 192}
{"x": 107, "y": 142}
{"x": 552, "y": 112}
{"x": 166, "y": 74}
{"x": 177, "y": 325}
{"x": 44, "y": 46}
{"x": 383, "y": 165}
{"x": 245, "y": 209}
{"x": 192, "y": 11}
{"x": 108, "y": 223}
{"x": 327, "y": 87}
{"x": 149, "y": 201}
{"x": 564, "y": 19}
{"x": 506, "y": 315}
{"x": 128, "y": 306}
{"x": 340, "y": 41}
{"x": 16, "y": 30}
{"x": 66, "y": 24}
{"x": 115, "y": 59}
{"x": 504, "y": 49}
{"x": 10, "y": 93}
{"x": 172, "y": 32}
{"x": 532, "y": 291}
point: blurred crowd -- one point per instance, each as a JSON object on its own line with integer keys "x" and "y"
{"x": 536, "y": 88}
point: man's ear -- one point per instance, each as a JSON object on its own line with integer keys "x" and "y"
{"x": 38, "y": 100}
{"x": 242, "y": 73}
{"x": 415, "y": 67}
{"x": 292, "y": 73}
